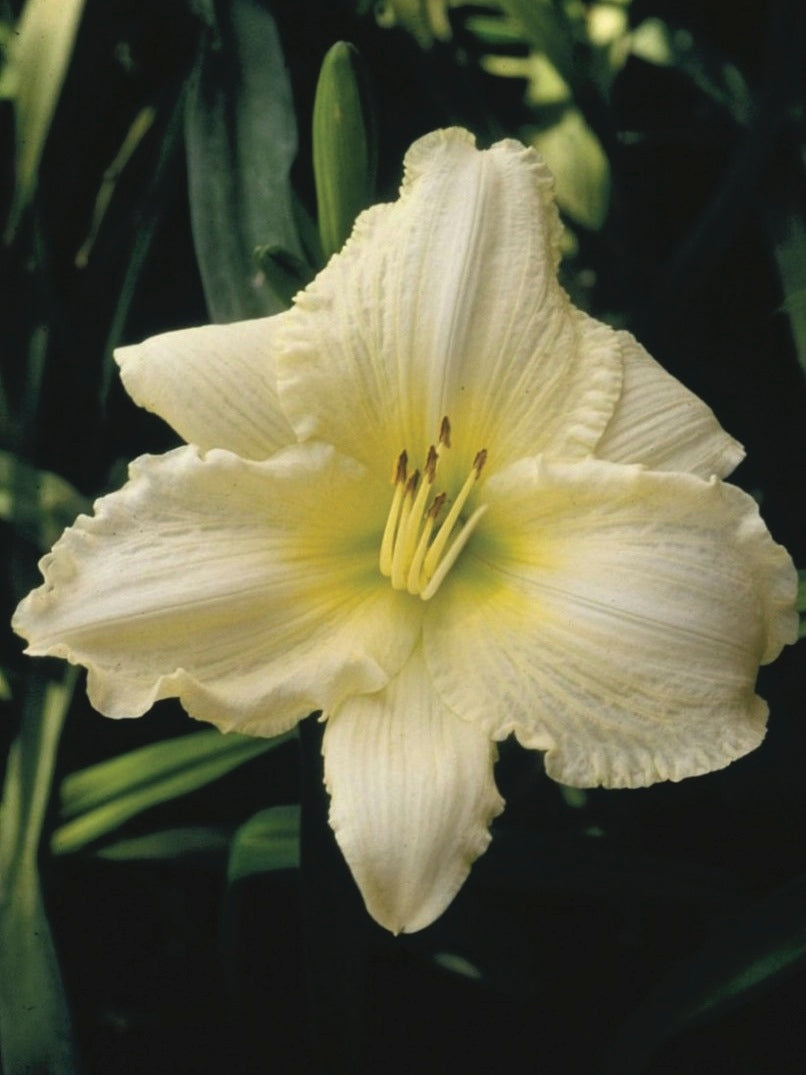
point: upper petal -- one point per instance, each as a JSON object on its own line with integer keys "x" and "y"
{"x": 412, "y": 796}
{"x": 659, "y": 423}
{"x": 216, "y": 385}
{"x": 446, "y": 302}
{"x": 248, "y": 590}
{"x": 614, "y": 617}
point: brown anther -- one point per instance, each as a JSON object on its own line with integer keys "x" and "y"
{"x": 412, "y": 483}
{"x": 401, "y": 468}
{"x": 430, "y": 467}
{"x": 445, "y": 432}
{"x": 479, "y": 461}
{"x": 436, "y": 507}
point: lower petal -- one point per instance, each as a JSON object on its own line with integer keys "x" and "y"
{"x": 244, "y": 589}
{"x": 615, "y": 618}
{"x": 412, "y": 797}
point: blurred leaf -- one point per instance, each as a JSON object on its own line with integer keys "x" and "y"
{"x": 169, "y": 845}
{"x": 549, "y": 31}
{"x": 789, "y": 247}
{"x": 286, "y": 274}
{"x": 267, "y": 841}
{"x": 38, "y": 503}
{"x": 99, "y": 799}
{"x": 580, "y": 166}
{"x": 39, "y": 57}
{"x": 494, "y": 31}
{"x": 35, "y": 1033}
{"x": 147, "y": 216}
{"x": 241, "y": 139}
{"x": 801, "y": 602}
{"x": 344, "y": 145}
{"x": 654, "y": 41}
{"x": 426, "y": 20}
{"x": 740, "y": 959}
{"x": 139, "y": 128}
{"x": 458, "y": 965}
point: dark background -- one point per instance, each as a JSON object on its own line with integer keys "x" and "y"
{"x": 579, "y": 910}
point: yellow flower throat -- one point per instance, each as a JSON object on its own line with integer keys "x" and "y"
{"x": 409, "y": 557}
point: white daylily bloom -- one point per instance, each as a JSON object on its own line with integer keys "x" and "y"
{"x": 557, "y": 556}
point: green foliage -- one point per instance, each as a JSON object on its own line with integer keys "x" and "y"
{"x": 38, "y": 503}
{"x": 677, "y": 146}
{"x": 97, "y": 800}
{"x": 35, "y": 1032}
{"x": 267, "y": 841}
{"x": 38, "y": 64}
{"x": 169, "y": 845}
{"x": 241, "y": 134}
{"x": 748, "y": 954}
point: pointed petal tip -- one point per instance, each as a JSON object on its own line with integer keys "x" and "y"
{"x": 412, "y": 798}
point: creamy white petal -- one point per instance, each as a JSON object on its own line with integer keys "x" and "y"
{"x": 216, "y": 385}
{"x": 249, "y": 590}
{"x": 614, "y": 617}
{"x": 412, "y": 797}
{"x": 446, "y": 302}
{"x": 659, "y": 423}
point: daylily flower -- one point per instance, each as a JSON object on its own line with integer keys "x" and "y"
{"x": 556, "y": 555}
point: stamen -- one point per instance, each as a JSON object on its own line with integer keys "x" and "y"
{"x": 408, "y": 556}
{"x": 452, "y": 554}
{"x": 414, "y": 581}
{"x": 444, "y": 532}
{"x": 388, "y": 540}
{"x": 402, "y": 553}
{"x": 445, "y": 432}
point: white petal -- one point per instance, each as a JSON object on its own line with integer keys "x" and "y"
{"x": 412, "y": 796}
{"x": 447, "y": 303}
{"x": 661, "y": 424}
{"x": 248, "y": 590}
{"x": 614, "y": 617}
{"x": 216, "y": 385}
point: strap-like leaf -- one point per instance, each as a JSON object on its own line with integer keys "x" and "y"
{"x": 267, "y": 841}
{"x": 35, "y": 1032}
{"x": 97, "y": 800}
{"x": 241, "y": 142}
{"x": 741, "y": 959}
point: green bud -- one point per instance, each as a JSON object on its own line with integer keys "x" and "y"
{"x": 344, "y": 145}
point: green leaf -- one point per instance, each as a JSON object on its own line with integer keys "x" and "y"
{"x": 580, "y": 166}
{"x": 38, "y": 64}
{"x": 426, "y": 20}
{"x": 97, "y": 800}
{"x": 658, "y": 43}
{"x": 547, "y": 28}
{"x": 286, "y": 273}
{"x": 38, "y": 503}
{"x": 493, "y": 30}
{"x": 739, "y": 960}
{"x": 241, "y": 136}
{"x": 35, "y": 1033}
{"x": 789, "y": 246}
{"x": 169, "y": 845}
{"x": 344, "y": 145}
{"x": 267, "y": 841}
